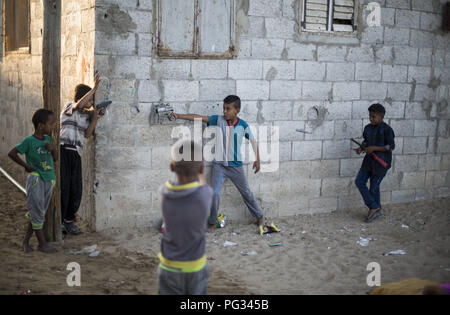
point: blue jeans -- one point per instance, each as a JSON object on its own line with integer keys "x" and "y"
{"x": 371, "y": 197}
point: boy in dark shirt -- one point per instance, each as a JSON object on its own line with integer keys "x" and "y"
{"x": 378, "y": 138}
{"x": 185, "y": 208}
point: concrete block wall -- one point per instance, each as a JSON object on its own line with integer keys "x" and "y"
{"x": 21, "y": 86}
{"x": 77, "y": 66}
{"x": 283, "y": 78}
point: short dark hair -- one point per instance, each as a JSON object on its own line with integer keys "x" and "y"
{"x": 233, "y": 99}
{"x": 190, "y": 167}
{"x": 80, "y": 91}
{"x": 377, "y": 108}
{"x": 41, "y": 116}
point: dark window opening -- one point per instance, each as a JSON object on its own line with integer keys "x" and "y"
{"x": 17, "y": 24}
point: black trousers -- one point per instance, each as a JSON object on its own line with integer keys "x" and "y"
{"x": 71, "y": 184}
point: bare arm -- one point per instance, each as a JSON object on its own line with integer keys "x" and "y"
{"x": 191, "y": 117}
{"x": 14, "y": 155}
{"x": 257, "y": 163}
{"x": 94, "y": 116}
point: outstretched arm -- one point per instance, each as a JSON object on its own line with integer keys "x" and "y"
{"x": 191, "y": 117}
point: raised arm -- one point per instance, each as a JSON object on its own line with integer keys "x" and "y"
{"x": 191, "y": 117}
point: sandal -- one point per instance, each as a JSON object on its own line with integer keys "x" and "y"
{"x": 375, "y": 215}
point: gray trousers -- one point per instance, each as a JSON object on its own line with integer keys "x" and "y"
{"x": 39, "y": 195}
{"x": 237, "y": 176}
{"x": 179, "y": 283}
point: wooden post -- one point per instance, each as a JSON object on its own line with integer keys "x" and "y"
{"x": 51, "y": 76}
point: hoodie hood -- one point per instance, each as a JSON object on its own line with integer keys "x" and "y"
{"x": 173, "y": 191}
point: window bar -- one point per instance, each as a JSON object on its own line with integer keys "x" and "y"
{"x": 354, "y": 16}
{"x": 304, "y": 15}
{"x": 330, "y": 15}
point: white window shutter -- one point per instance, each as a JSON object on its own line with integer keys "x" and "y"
{"x": 343, "y": 15}
{"x": 315, "y": 15}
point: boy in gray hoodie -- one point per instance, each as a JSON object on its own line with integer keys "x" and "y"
{"x": 185, "y": 208}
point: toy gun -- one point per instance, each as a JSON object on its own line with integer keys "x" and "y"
{"x": 164, "y": 111}
{"x": 383, "y": 163}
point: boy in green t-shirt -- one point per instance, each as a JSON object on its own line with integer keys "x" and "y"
{"x": 40, "y": 153}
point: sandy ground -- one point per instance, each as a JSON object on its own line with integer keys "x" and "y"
{"x": 318, "y": 254}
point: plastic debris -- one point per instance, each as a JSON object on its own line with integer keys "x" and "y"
{"x": 303, "y": 131}
{"x": 94, "y": 254}
{"x": 252, "y": 253}
{"x": 26, "y": 292}
{"x": 210, "y": 258}
{"x": 405, "y": 226}
{"x": 395, "y": 252}
{"x": 275, "y": 244}
{"x": 364, "y": 241}
{"x": 228, "y": 243}
{"x": 86, "y": 250}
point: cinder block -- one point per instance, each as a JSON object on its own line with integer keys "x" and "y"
{"x": 301, "y": 51}
{"x": 373, "y": 35}
{"x": 276, "y": 110}
{"x": 430, "y": 162}
{"x": 345, "y": 129}
{"x": 316, "y": 90}
{"x": 402, "y": 128}
{"x": 306, "y": 186}
{"x": 253, "y": 89}
{"x": 306, "y": 150}
{"x": 395, "y": 110}
{"x": 302, "y": 108}
{"x": 336, "y": 149}
{"x": 350, "y": 202}
{"x": 323, "y": 205}
{"x": 336, "y": 186}
{"x": 403, "y": 196}
{"x": 373, "y": 90}
{"x": 391, "y": 181}
{"x": 443, "y": 145}
{"x": 340, "y": 71}
{"x": 211, "y": 90}
{"x": 116, "y": 45}
{"x": 407, "y": 18}
{"x": 384, "y": 54}
{"x": 424, "y": 194}
{"x": 387, "y": 16}
{"x": 415, "y": 145}
{"x": 395, "y": 73}
{"x": 413, "y": 180}
{"x": 324, "y": 168}
{"x": 421, "y": 39}
{"x": 396, "y": 36}
{"x": 350, "y": 167}
{"x": 425, "y": 56}
{"x": 424, "y": 92}
{"x": 425, "y": 128}
{"x": 278, "y": 70}
{"x": 296, "y": 169}
{"x": 115, "y": 181}
{"x": 285, "y": 90}
{"x": 337, "y": 110}
{"x": 420, "y": 5}
{"x": 331, "y": 53}
{"x": 360, "y": 110}
{"x": 145, "y": 44}
{"x": 436, "y": 179}
{"x": 399, "y": 91}
{"x": 405, "y": 55}
{"x": 419, "y": 74}
{"x": 398, "y": 4}
{"x": 245, "y": 69}
{"x": 256, "y": 27}
{"x": 285, "y": 151}
{"x": 324, "y": 131}
{"x": 430, "y": 22}
{"x": 406, "y": 163}
{"x": 368, "y": 72}
{"x": 365, "y": 53}
{"x": 171, "y": 69}
{"x": 181, "y": 90}
{"x": 310, "y": 70}
{"x": 209, "y": 69}
{"x": 289, "y": 8}
{"x": 265, "y": 8}
{"x": 268, "y": 48}
{"x": 152, "y": 180}
{"x": 347, "y": 91}
{"x": 279, "y": 28}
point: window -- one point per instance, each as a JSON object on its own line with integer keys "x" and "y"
{"x": 17, "y": 24}
{"x": 329, "y": 16}
{"x": 195, "y": 29}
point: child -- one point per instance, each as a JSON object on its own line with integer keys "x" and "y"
{"x": 185, "y": 205}
{"x": 40, "y": 153}
{"x": 379, "y": 139}
{"x": 78, "y": 121}
{"x": 233, "y": 130}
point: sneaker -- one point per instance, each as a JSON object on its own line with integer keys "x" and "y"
{"x": 72, "y": 228}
